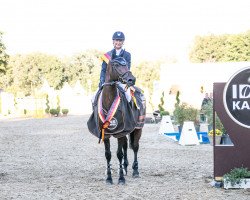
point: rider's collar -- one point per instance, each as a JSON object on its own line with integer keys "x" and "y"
{"x": 118, "y": 52}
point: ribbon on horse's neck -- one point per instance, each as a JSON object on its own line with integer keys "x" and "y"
{"x": 112, "y": 110}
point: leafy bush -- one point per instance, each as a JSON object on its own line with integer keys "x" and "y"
{"x": 47, "y": 104}
{"x": 208, "y": 112}
{"x": 236, "y": 175}
{"x": 185, "y": 112}
{"x": 54, "y": 112}
{"x": 65, "y": 111}
{"x": 161, "y": 106}
{"x": 164, "y": 112}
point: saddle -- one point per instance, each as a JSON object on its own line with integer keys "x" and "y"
{"x": 127, "y": 117}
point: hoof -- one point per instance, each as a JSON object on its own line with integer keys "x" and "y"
{"x": 121, "y": 181}
{"x": 136, "y": 175}
{"x": 109, "y": 181}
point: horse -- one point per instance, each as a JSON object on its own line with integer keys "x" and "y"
{"x": 125, "y": 117}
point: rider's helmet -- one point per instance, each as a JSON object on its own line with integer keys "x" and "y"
{"x": 118, "y": 35}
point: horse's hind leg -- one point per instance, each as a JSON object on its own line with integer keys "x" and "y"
{"x": 125, "y": 149}
{"x": 121, "y": 141}
{"x": 108, "y": 158}
{"x": 134, "y": 142}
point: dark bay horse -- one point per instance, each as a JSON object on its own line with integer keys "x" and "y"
{"x": 116, "y": 118}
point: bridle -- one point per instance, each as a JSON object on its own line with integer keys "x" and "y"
{"x": 121, "y": 76}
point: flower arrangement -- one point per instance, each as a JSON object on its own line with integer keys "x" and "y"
{"x": 217, "y": 132}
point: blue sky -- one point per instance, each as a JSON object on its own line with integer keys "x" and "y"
{"x": 153, "y": 29}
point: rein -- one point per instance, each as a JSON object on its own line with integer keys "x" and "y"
{"x": 114, "y": 83}
{"x": 110, "y": 83}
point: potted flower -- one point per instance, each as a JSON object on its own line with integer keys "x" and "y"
{"x": 237, "y": 178}
{"x": 218, "y": 135}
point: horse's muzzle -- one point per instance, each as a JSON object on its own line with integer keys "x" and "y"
{"x": 131, "y": 82}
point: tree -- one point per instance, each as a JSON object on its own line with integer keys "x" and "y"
{"x": 27, "y": 72}
{"x": 3, "y": 62}
{"x": 3, "y": 56}
{"x": 161, "y": 104}
{"x": 221, "y": 48}
{"x": 85, "y": 67}
{"x": 146, "y": 73}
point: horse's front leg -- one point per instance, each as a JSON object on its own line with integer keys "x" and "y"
{"x": 135, "y": 137}
{"x": 108, "y": 158}
{"x": 121, "y": 141}
{"x": 125, "y": 149}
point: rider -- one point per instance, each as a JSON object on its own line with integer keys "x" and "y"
{"x": 118, "y": 41}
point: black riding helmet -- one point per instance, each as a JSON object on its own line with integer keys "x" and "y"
{"x": 118, "y": 35}
{"x": 120, "y": 60}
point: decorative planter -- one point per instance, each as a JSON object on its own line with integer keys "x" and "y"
{"x": 244, "y": 183}
{"x": 217, "y": 140}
